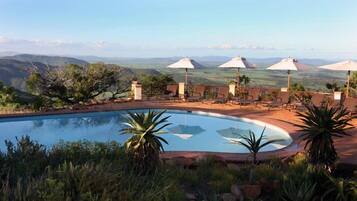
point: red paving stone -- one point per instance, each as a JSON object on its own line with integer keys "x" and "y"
{"x": 346, "y": 147}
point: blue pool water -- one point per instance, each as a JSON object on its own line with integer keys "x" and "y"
{"x": 189, "y": 131}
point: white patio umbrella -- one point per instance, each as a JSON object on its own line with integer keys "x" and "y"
{"x": 185, "y": 63}
{"x": 238, "y": 63}
{"x": 288, "y": 64}
{"x": 348, "y": 66}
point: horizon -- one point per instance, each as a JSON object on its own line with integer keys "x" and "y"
{"x": 159, "y": 29}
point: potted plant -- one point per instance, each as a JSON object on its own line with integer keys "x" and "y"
{"x": 254, "y": 144}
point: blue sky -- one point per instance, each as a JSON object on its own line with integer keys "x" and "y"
{"x": 160, "y": 28}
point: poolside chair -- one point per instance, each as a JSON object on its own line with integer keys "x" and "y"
{"x": 318, "y": 99}
{"x": 300, "y": 99}
{"x": 351, "y": 104}
{"x": 330, "y": 99}
{"x": 170, "y": 93}
{"x": 252, "y": 95}
{"x": 197, "y": 93}
{"x": 222, "y": 94}
{"x": 282, "y": 100}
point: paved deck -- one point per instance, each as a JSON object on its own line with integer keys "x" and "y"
{"x": 346, "y": 147}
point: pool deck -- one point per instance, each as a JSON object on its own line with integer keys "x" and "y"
{"x": 283, "y": 118}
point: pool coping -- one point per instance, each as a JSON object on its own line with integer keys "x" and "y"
{"x": 291, "y": 149}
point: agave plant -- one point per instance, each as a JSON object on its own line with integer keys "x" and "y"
{"x": 320, "y": 125}
{"x": 340, "y": 190}
{"x": 297, "y": 191}
{"x": 145, "y": 144}
{"x": 254, "y": 144}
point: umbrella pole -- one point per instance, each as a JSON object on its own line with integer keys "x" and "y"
{"x": 238, "y": 78}
{"x": 186, "y": 76}
{"x": 288, "y": 80}
{"x": 348, "y": 83}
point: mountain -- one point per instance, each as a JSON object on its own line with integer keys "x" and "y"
{"x": 14, "y": 73}
{"x": 48, "y": 60}
{"x": 8, "y": 53}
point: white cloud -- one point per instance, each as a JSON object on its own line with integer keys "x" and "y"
{"x": 3, "y": 39}
{"x": 242, "y": 47}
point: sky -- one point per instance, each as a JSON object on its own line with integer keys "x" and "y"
{"x": 165, "y": 28}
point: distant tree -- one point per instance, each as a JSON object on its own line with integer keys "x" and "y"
{"x": 7, "y": 95}
{"x": 243, "y": 79}
{"x": 72, "y": 84}
{"x": 154, "y": 85}
{"x": 297, "y": 87}
{"x": 333, "y": 86}
{"x": 353, "y": 81}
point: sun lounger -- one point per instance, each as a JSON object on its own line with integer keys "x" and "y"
{"x": 351, "y": 104}
{"x": 170, "y": 93}
{"x": 222, "y": 95}
{"x": 252, "y": 95}
{"x": 282, "y": 100}
{"x": 318, "y": 99}
{"x": 300, "y": 99}
{"x": 198, "y": 93}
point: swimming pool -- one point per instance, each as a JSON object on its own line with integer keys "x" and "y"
{"x": 189, "y": 131}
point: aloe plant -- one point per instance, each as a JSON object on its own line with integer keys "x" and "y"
{"x": 254, "y": 144}
{"x": 320, "y": 125}
{"x": 340, "y": 190}
{"x": 145, "y": 144}
{"x": 293, "y": 191}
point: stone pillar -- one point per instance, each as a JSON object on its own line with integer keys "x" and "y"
{"x": 133, "y": 85}
{"x": 137, "y": 92}
{"x": 181, "y": 90}
{"x": 232, "y": 89}
{"x": 284, "y": 89}
{"x": 337, "y": 95}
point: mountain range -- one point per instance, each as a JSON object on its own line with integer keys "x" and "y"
{"x": 15, "y": 68}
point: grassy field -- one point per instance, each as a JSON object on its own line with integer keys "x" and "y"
{"x": 311, "y": 79}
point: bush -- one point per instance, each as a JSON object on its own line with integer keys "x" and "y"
{"x": 155, "y": 85}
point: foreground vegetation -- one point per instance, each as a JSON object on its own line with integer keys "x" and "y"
{"x": 101, "y": 171}
{"x": 108, "y": 171}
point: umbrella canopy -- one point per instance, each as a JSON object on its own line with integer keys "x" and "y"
{"x": 347, "y": 66}
{"x": 185, "y": 63}
{"x": 288, "y": 64}
{"x": 235, "y": 135}
{"x": 184, "y": 131}
{"x": 238, "y": 63}
{"x": 232, "y": 134}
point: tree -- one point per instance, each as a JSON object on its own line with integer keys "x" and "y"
{"x": 73, "y": 84}
{"x": 353, "y": 81}
{"x": 333, "y": 86}
{"x": 145, "y": 144}
{"x": 297, "y": 87}
{"x": 244, "y": 80}
{"x": 319, "y": 126}
{"x": 154, "y": 85}
{"x": 7, "y": 95}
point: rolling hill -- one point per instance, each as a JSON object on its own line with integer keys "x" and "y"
{"x": 47, "y": 60}
{"x": 14, "y": 73}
